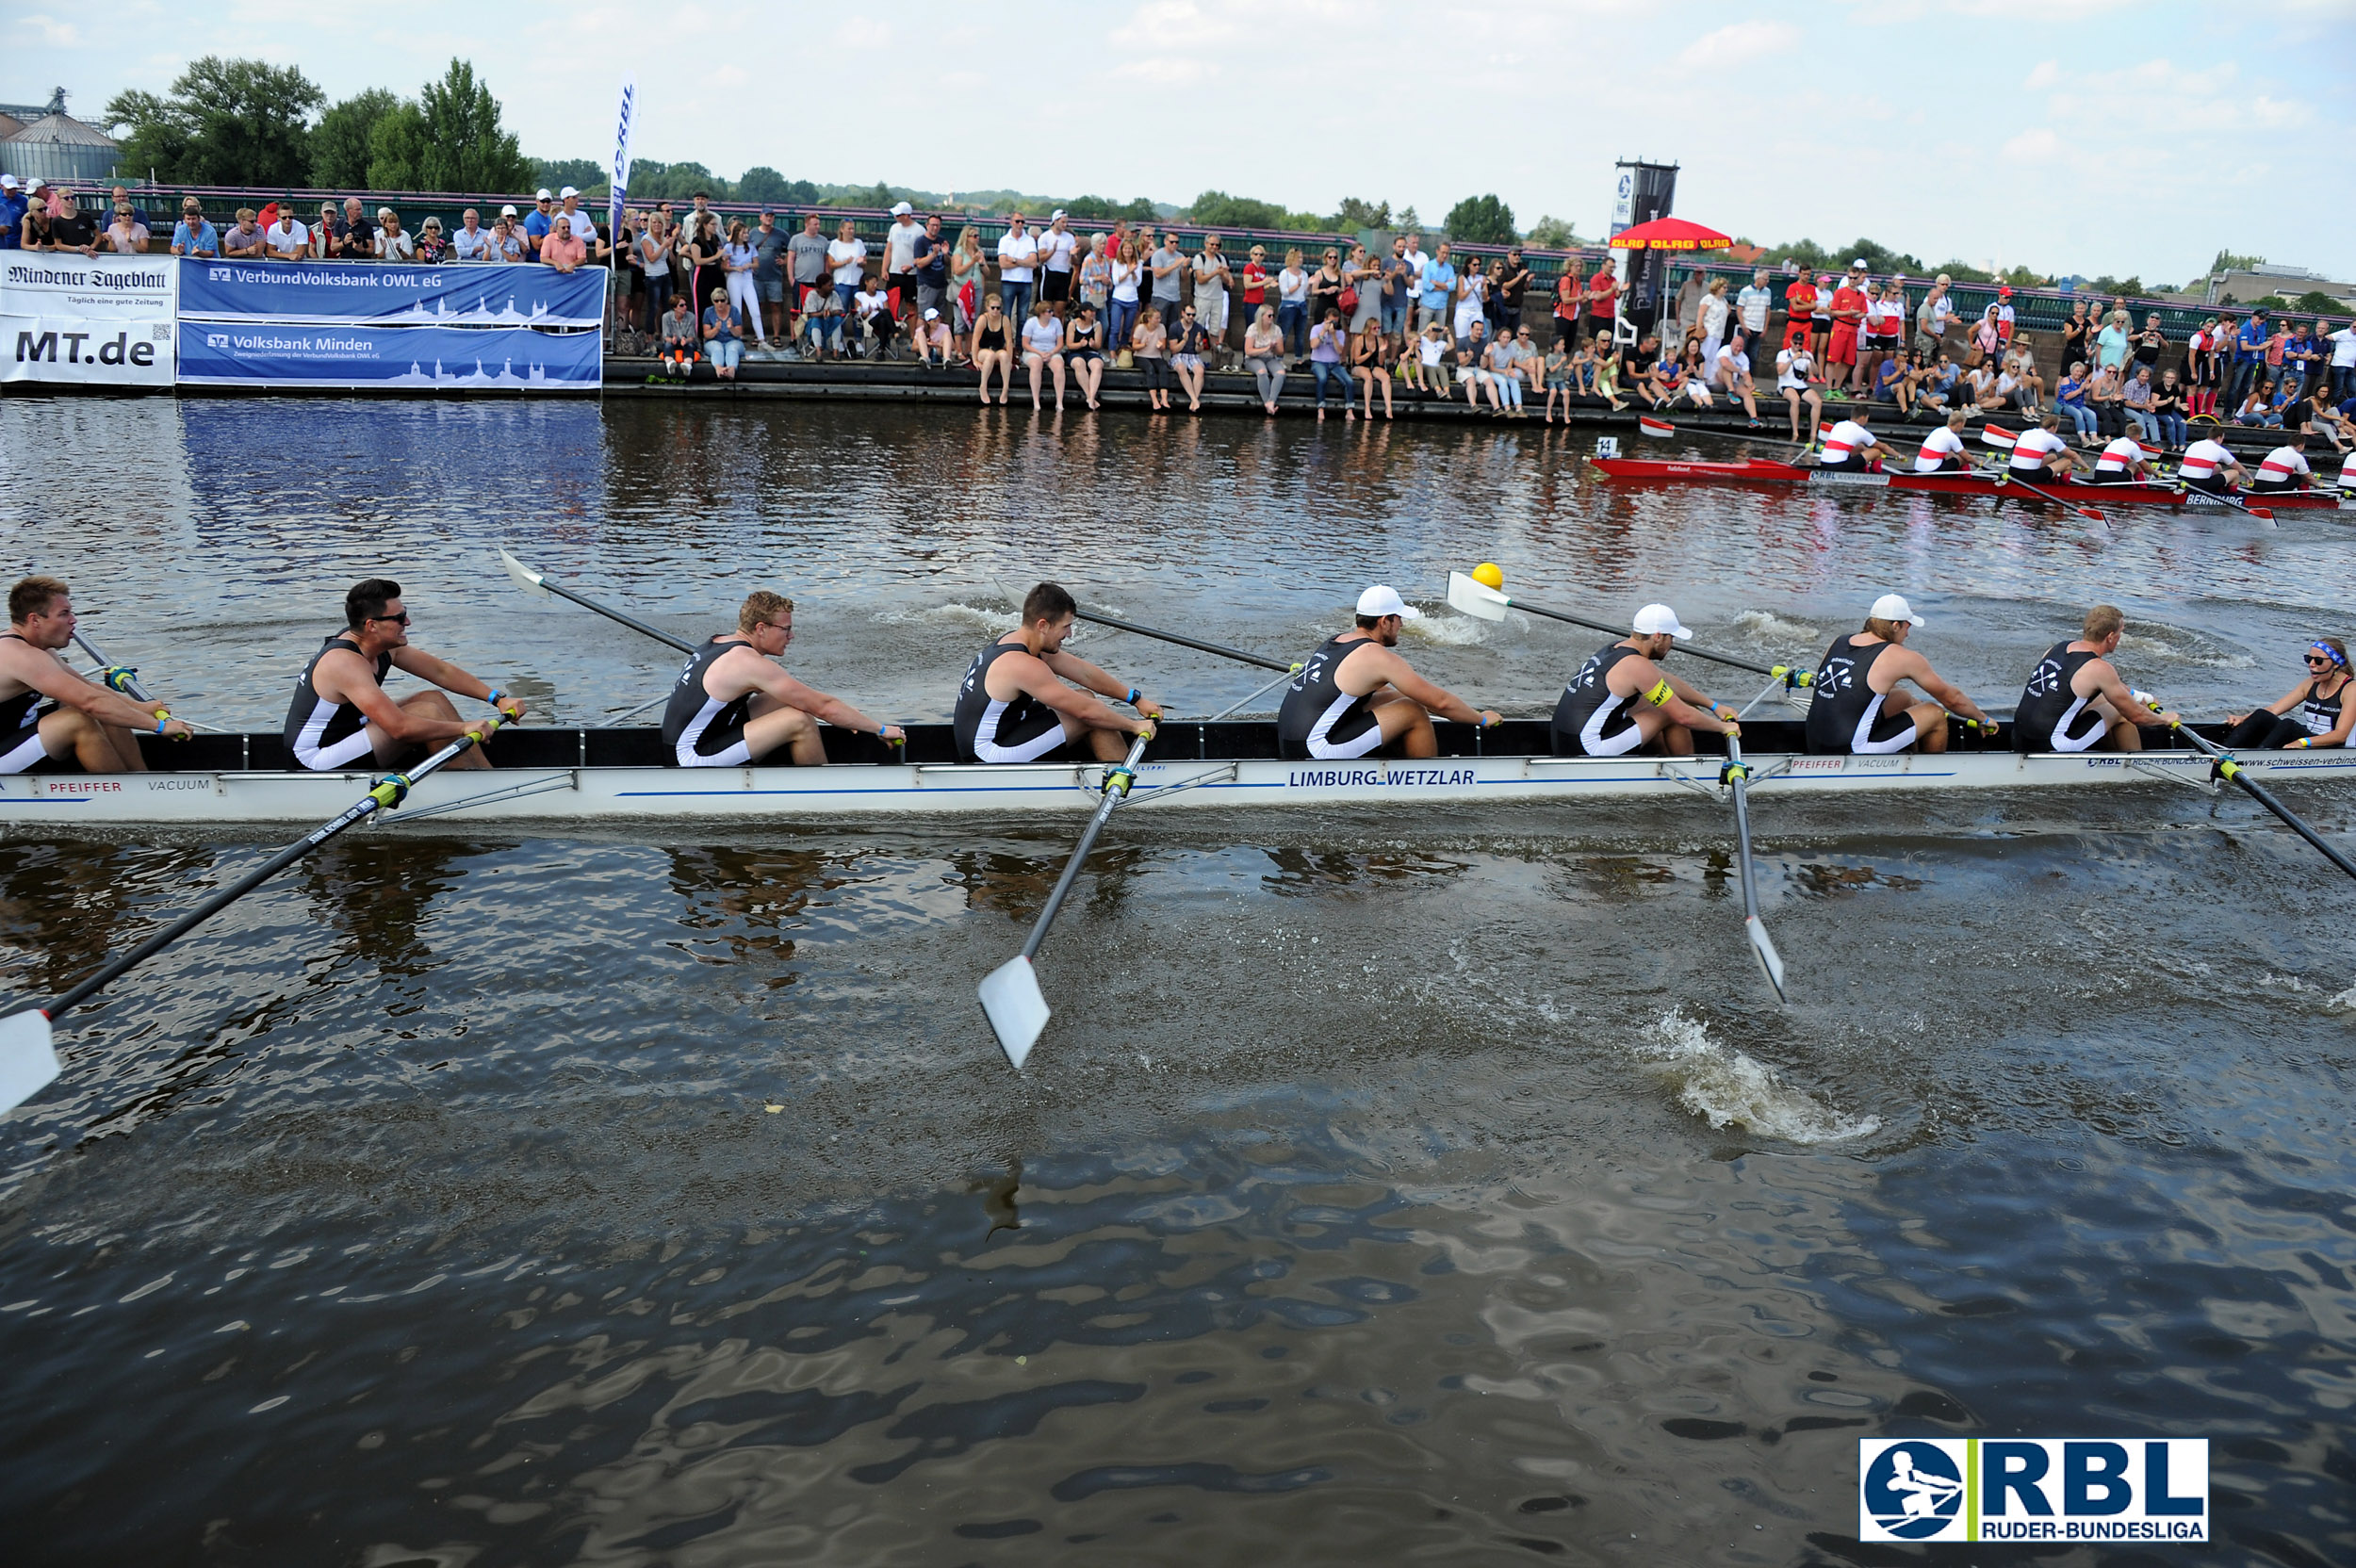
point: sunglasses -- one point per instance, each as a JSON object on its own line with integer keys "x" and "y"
{"x": 402, "y": 619}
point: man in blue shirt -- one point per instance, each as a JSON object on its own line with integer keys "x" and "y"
{"x": 2250, "y": 353}
{"x": 1439, "y": 289}
{"x": 536, "y": 227}
{"x": 193, "y": 236}
{"x": 11, "y": 212}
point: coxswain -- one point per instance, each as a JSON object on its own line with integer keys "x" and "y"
{"x": 2122, "y": 461}
{"x": 1623, "y": 701}
{"x": 2074, "y": 700}
{"x": 734, "y": 704}
{"x": 1850, "y": 447}
{"x": 2285, "y": 468}
{"x": 2209, "y": 466}
{"x": 342, "y": 715}
{"x": 50, "y": 713}
{"x": 1942, "y": 449}
{"x": 1015, "y": 707}
{"x": 1858, "y": 686}
{"x": 1338, "y": 708}
{"x": 2316, "y": 713}
{"x": 2040, "y": 453}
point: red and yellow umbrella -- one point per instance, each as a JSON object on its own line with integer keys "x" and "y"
{"x": 1670, "y": 233}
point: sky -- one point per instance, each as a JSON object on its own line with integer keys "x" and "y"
{"x": 2087, "y": 136}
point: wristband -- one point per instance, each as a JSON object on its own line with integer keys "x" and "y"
{"x": 1132, "y": 698}
{"x": 494, "y": 699}
{"x": 163, "y": 717}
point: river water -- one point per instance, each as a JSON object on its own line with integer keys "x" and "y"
{"x": 1441, "y": 1188}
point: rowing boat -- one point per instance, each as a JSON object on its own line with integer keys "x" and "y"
{"x": 548, "y": 775}
{"x": 1761, "y": 471}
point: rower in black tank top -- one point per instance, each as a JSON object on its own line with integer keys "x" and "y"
{"x": 1320, "y": 721}
{"x": 20, "y": 725}
{"x": 1847, "y": 715}
{"x": 329, "y": 735}
{"x": 2051, "y": 715}
{"x": 699, "y": 729}
{"x": 2320, "y": 714}
{"x": 1590, "y": 720}
{"x": 1019, "y": 730}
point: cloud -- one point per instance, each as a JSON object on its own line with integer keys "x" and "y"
{"x": 857, "y": 32}
{"x": 59, "y": 35}
{"x": 2035, "y": 142}
{"x": 1177, "y": 25}
{"x": 1164, "y": 70}
{"x": 1737, "y": 43}
{"x": 2046, "y": 74}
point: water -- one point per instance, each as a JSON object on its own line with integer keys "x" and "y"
{"x": 1385, "y": 1188}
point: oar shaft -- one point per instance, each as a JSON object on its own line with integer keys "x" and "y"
{"x": 367, "y": 806}
{"x": 130, "y": 687}
{"x": 1182, "y": 641}
{"x": 1743, "y": 828}
{"x": 1113, "y": 796}
{"x": 612, "y": 615}
{"x": 2264, "y": 797}
{"x": 1621, "y": 631}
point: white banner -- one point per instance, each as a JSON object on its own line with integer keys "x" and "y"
{"x": 90, "y": 320}
{"x": 624, "y": 133}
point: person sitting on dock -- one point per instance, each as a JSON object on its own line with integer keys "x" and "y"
{"x": 340, "y": 715}
{"x": 2074, "y": 700}
{"x": 734, "y": 704}
{"x": 1622, "y": 701}
{"x": 50, "y": 713}
{"x": 1014, "y": 705}
{"x": 1861, "y": 681}
{"x": 682, "y": 343}
{"x": 1337, "y": 709}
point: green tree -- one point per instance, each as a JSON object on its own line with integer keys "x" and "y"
{"x": 340, "y": 146}
{"x": 400, "y": 147}
{"x": 466, "y": 147}
{"x": 586, "y": 174}
{"x": 2317, "y": 302}
{"x": 1353, "y": 215}
{"x": 1216, "y": 209}
{"x": 1481, "y": 220}
{"x": 1104, "y": 210}
{"x": 225, "y": 121}
{"x": 1552, "y": 234}
{"x": 764, "y": 183}
{"x": 2228, "y": 262}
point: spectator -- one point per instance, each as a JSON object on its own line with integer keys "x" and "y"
{"x": 64, "y": 230}
{"x": 739, "y": 260}
{"x": 1369, "y": 363}
{"x": 244, "y": 239}
{"x": 540, "y": 221}
{"x": 2167, "y": 409}
{"x": 2077, "y": 335}
{"x": 1167, "y": 266}
{"x": 1731, "y": 372}
{"x": 1555, "y": 371}
{"x": 2249, "y": 345}
{"x": 969, "y": 278}
{"x": 1469, "y": 365}
{"x": 768, "y": 243}
{"x": 585, "y": 230}
{"x": 1505, "y": 376}
{"x": 1213, "y": 277}
{"x": 682, "y": 344}
{"x": 1124, "y": 271}
{"x": 2070, "y": 396}
{"x": 2108, "y": 394}
{"x": 432, "y": 246}
{"x": 846, "y": 262}
{"x": 2136, "y": 399}
{"x": 1799, "y": 309}
{"x": 899, "y": 258}
{"x": 2110, "y": 342}
{"x": 1583, "y": 364}
{"x": 1848, "y": 324}
{"x": 932, "y": 275}
{"x": 564, "y": 249}
{"x": 823, "y": 320}
{"x": 654, "y": 248}
{"x": 1055, "y": 261}
{"x": 1018, "y": 269}
{"x": 2257, "y": 406}
{"x": 1264, "y": 356}
{"x": 507, "y": 246}
{"x": 991, "y": 349}
{"x": 1188, "y": 345}
{"x": 723, "y": 335}
{"x": 1935, "y": 385}
{"x": 1715, "y": 312}
{"x": 392, "y": 243}
{"x": 1427, "y": 369}
{"x": 193, "y": 236}
{"x": 1327, "y": 347}
{"x": 356, "y": 237}
{"x": 1511, "y": 291}
{"x": 1795, "y": 379}
{"x": 2297, "y": 350}
{"x": 1820, "y": 330}
{"x": 1362, "y": 286}
{"x": 933, "y": 340}
{"x": 1472, "y": 298}
{"x": 127, "y": 235}
{"x": 806, "y": 264}
{"x": 2148, "y": 345}
{"x": 1399, "y": 294}
{"x": 1437, "y": 297}
{"x": 1253, "y": 283}
{"x": 1753, "y": 307}
{"x": 1986, "y": 340}
{"x": 871, "y": 304}
{"x": 1603, "y": 299}
{"x": 287, "y": 240}
{"x": 471, "y": 240}
{"x": 1042, "y": 349}
{"x": 1930, "y": 320}
{"x": 1096, "y": 275}
{"x": 1292, "y": 304}
{"x": 2342, "y": 369}
{"x": 1893, "y": 381}
{"x": 12, "y": 209}
{"x": 1885, "y": 332}
{"x": 1149, "y": 343}
{"x": 1639, "y": 371}
{"x": 701, "y": 268}
{"x": 1084, "y": 353}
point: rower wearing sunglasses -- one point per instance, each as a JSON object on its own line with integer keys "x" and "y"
{"x": 2315, "y": 712}
{"x": 341, "y": 715}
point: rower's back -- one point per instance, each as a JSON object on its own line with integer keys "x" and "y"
{"x": 1846, "y": 714}
{"x": 1317, "y": 720}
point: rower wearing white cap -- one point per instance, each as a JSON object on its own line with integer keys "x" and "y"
{"x": 1850, "y": 447}
{"x": 1336, "y": 708}
{"x": 1858, "y": 686}
{"x": 2208, "y": 466}
{"x": 1623, "y": 701}
{"x": 2123, "y": 461}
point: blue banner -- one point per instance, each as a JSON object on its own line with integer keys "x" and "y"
{"x": 232, "y": 354}
{"x": 461, "y": 294}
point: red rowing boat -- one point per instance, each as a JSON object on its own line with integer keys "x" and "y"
{"x": 1759, "y": 471}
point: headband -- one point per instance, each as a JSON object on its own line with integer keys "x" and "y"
{"x": 2329, "y": 652}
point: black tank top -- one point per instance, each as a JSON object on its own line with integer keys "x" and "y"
{"x": 331, "y": 721}
{"x": 1843, "y": 692}
{"x": 689, "y": 700}
{"x": 1315, "y": 690}
{"x": 974, "y": 703}
{"x": 2320, "y": 714}
{"x": 2046, "y": 699}
{"x": 986, "y": 336}
{"x": 19, "y": 712}
{"x": 1588, "y": 691}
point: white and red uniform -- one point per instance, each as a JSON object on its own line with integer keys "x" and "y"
{"x": 2284, "y": 469}
{"x": 1884, "y": 320}
{"x": 2202, "y": 463}
{"x": 2120, "y": 457}
{"x": 2033, "y": 447}
{"x": 1847, "y": 446}
{"x": 1940, "y": 445}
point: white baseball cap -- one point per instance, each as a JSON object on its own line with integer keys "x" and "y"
{"x": 932, "y": 316}
{"x": 1893, "y": 607}
{"x": 568, "y": 191}
{"x": 1057, "y": 213}
{"x": 1656, "y": 619}
{"x": 542, "y": 195}
{"x": 1858, "y": 266}
{"x": 901, "y": 209}
{"x": 508, "y": 211}
{"x": 37, "y": 184}
{"x": 1382, "y": 600}
{"x": 7, "y": 182}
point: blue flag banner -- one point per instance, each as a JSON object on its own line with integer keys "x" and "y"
{"x": 453, "y": 359}
{"x": 466, "y": 294}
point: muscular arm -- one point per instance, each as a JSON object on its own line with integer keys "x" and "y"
{"x": 1376, "y": 666}
{"x": 1907, "y": 665}
{"x": 1039, "y": 677}
{"x": 2109, "y": 686}
{"x": 1636, "y": 677}
{"x": 1073, "y": 667}
{"x": 342, "y": 676}
{"x": 748, "y": 671}
{"x": 45, "y": 674}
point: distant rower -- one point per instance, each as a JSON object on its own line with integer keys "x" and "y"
{"x": 2074, "y": 700}
{"x": 2039, "y": 454}
{"x": 2208, "y": 466}
{"x": 2285, "y": 468}
{"x": 1849, "y": 447}
{"x": 1015, "y": 707}
{"x": 2123, "y": 461}
{"x": 1859, "y": 683}
{"x": 1336, "y": 708}
{"x": 733, "y": 705}
{"x": 1622, "y": 701}
{"x": 340, "y": 715}
{"x": 81, "y": 719}
{"x": 1942, "y": 449}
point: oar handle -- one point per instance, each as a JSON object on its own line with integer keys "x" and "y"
{"x": 1182, "y": 641}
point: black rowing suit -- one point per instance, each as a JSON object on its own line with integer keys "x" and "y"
{"x": 701, "y": 730}
{"x": 1590, "y": 720}
{"x": 325, "y": 735}
{"x": 1318, "y": 720}
{"x": 1019, "y": 730}
{"x": 1847, "y": 715}
{"x": 2051, "y": 710}
{"x": 20, "y": 727}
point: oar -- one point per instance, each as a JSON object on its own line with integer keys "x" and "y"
{"x": 1653, "y": 425}
{"x": 125, "y": 678}
{"x": 1010, "y": 994}
{"x": 1475, "y": 598}
{"x": 2263, "y": 513}
{"x": 28, "y": 1060}
{"x": 1736, "y": 775}
{"x": 1185, "y": 642}
{"x": 536, "y": 583}
{"x": 1995, "y": 436}
{"x": 2229, "y": 768}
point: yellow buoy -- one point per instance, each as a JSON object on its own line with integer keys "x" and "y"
{"x": 1489, "y": 575}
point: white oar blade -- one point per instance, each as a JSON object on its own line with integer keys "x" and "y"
{"x": 1769, "y": 959}
{"x": 1475, "y": 598}
{"x": 28, "y": 1063}
{"x": 1016, "y": 1011}
{"x": 526, "y": 579}
{"x": 1996, "y": 435}
{"x": 1653, "y": 426}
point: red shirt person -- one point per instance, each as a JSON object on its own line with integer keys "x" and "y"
{"x": 1799, "y": 303}
{"x": 1848, "y": 310}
